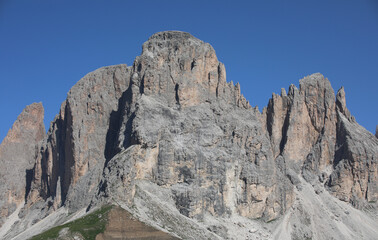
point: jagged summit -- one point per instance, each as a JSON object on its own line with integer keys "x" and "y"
{"x": 183, "y": 70}
{"x": 179, "y": 147}
{"x": 172, "y": 35}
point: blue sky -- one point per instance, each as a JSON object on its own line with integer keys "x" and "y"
{"x": 47, "y": 46}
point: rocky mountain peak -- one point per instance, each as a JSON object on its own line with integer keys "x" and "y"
{"x": 319, "y": 98}
{"x": 17, "y": 157}
{"x": 317, "y": 88}
{"x": 28, "y": 127}
{"x": 170, "y": 129}
{"x": 182, "y": 70}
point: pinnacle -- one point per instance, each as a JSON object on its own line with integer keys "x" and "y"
{"x": 341, "y": 103}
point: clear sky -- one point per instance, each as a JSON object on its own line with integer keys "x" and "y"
{"x": 47, "y": 46}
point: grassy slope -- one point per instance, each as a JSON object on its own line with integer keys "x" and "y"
{"x": 88, "y": 226}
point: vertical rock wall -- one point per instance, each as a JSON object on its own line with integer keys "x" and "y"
{"x": 17, "y": 157}
{"x": 71, "y": 160}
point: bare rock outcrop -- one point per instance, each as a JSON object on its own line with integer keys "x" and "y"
{"x": 317, "y": 135}
{"x": 355, "y": 175}
{"x": 191, "y": 131}
{"x": 296, "y": 121}
{"x": 170, "y": 127}
{"x": 17, "y": 158}
{"x": 70, "y": 162}
{"x": 313, "y": 130}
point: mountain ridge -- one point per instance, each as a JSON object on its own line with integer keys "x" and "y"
{"x": 171, "y": 122}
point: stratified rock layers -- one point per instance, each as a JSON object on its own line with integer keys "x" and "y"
{"x": 173, "y": 120}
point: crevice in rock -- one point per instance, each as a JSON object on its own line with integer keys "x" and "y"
{"x": 113, "y": 129}
{"x": 115, "y": 124}
{"x": 176, "y": 94}
{"x": 269, "y": 117}
{"x": 45, "y": 190}
{"x": 111, "y": 135}
{"x": 66, "y": 158}
{"x": 193, "y": 64}
{"x": 128, "y": 133}
{"x": 340, "y": 142}
{"x": 285, "y": 128}
{"x": 28, "y": 181}
{"x": 141, "y": 89}
{"x": 58, "y": 154}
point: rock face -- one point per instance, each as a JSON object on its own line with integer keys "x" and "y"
{"x": 303, "y": 121}
{"x": 17, "y": 158}
{"x": 355, "y": 177}
{"x": 70, "y": 162}
{"x": 179, "y": 136}
{"x": 320, "y": 138}
{"x": 172, "y": 124}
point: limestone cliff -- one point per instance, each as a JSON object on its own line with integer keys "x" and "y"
{"x": 191, "y": 131}
{"x": 317, "y": 135}
{"x": 17, "y": 157}
{"x": 355, "y": 175}
{"x": 70, "y": 162}
{"x": 170, "y": 140}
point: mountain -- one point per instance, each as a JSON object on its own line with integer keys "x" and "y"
{"x": 179, "y": 148}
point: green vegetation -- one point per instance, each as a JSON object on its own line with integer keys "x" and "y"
{"x": 88, "y": 226}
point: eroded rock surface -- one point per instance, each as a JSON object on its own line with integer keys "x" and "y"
{"x": 317, "y": 135}
{"x": 70, "y": 162}
{"x": 172, "y": 122}
{"x": 355, "y": 175}
{"x": 191, "y": 131}
{"x": 17, "y": 158}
